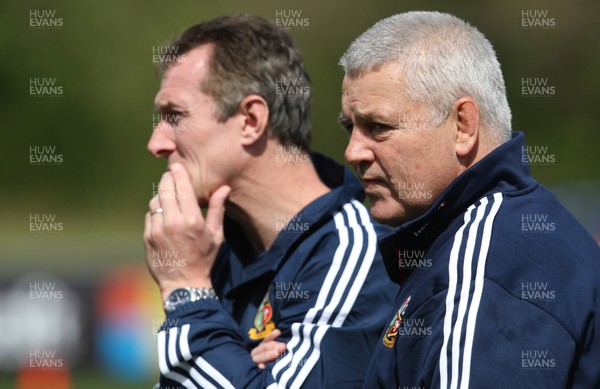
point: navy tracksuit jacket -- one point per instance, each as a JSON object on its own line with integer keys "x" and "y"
{"x": 322, "y": 283}
{"x": 499, "y": 288}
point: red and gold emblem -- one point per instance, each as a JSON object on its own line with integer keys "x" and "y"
{"x": 389, "y": 339}
{"x": 263, "y": 325}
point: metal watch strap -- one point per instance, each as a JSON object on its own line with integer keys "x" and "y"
{"x": 203, "y": 293}
{"x": 195, "y": 294}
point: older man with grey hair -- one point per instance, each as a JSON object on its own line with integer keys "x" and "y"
{"x": 499, "y": 284}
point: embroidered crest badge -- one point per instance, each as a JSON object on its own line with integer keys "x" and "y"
{"x": 389, "y": 339}
{"x": 262, "y": 321}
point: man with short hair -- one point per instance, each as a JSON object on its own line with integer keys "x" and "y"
{"x": 499, "y": 284}
{"x": 286, "y": 249}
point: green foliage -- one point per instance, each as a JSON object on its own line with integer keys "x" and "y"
{"x": 102, "y": 57}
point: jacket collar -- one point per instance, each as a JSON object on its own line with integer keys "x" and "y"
{"x": 344, "y": 187}
{"x": 505, "y": 169}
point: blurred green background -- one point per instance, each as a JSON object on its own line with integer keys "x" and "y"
{"x": 102, "y": 57}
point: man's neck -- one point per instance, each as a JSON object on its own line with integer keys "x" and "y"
{"x": 269, "y": 193}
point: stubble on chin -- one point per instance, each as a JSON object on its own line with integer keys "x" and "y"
{"x": 382, "y": 211}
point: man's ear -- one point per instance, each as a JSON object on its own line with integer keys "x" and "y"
{"x": 255, "y": 112}
{"x": 467, "y": 127}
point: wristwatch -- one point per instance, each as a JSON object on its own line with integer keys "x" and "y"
{"x": 182, "y": 296}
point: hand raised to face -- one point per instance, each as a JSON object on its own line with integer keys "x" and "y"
{"x": 181, "y": 245}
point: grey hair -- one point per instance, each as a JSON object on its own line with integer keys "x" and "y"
{"x": 442, "y": 59}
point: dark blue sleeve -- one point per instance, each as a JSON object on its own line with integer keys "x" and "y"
{"x": 202, "y": 348}
{"x": 515, "y": 344}
{"x": 507, "y": 343}
{"x": 332, "y": 329}
{"x": 330, "y": 323}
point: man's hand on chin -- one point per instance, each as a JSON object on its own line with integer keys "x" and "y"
{"x": 181, "y": 245}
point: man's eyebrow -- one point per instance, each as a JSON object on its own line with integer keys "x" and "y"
{"x": 368, "y": 117}
{"x": 343, "y": 120}
{"x": 166, "y": 106}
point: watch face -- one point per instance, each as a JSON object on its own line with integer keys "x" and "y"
{"x": 180, "y": 295}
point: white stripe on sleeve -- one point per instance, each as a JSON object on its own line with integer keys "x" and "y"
{"x": 161, "y": 340}
{"x": 460, "y": 370}
{"x": 350, "y": 299}
{"x": 479, "y": 279}
{"x": 336, "y": 264}
{"x": 173, "y": 359}
{"x": 452, "y": 281}
{"x": 184, "y": 346}
{"x": 349, "y": 285}
{"x": 464, "y": 291}
{"x": 348, "y": 269}
{"x": 213, "y": 373}
{"x": 321, "y": 298}
{"x": 162, "y": 363}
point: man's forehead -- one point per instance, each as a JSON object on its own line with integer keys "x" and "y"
{"x": 380, "y": 85}
{"x": 377, "y": 96}
{"x": 371, "y": 90}
{"x": 389, "y": 74}
{"x": 190, "y": 66}
{"x": 182, "y": 79}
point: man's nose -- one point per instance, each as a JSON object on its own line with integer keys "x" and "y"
{"x": 161, "y": 143}
{"x": 358, "y": 150}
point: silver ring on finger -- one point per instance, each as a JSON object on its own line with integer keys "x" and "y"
{"x": 157, "y": 210}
